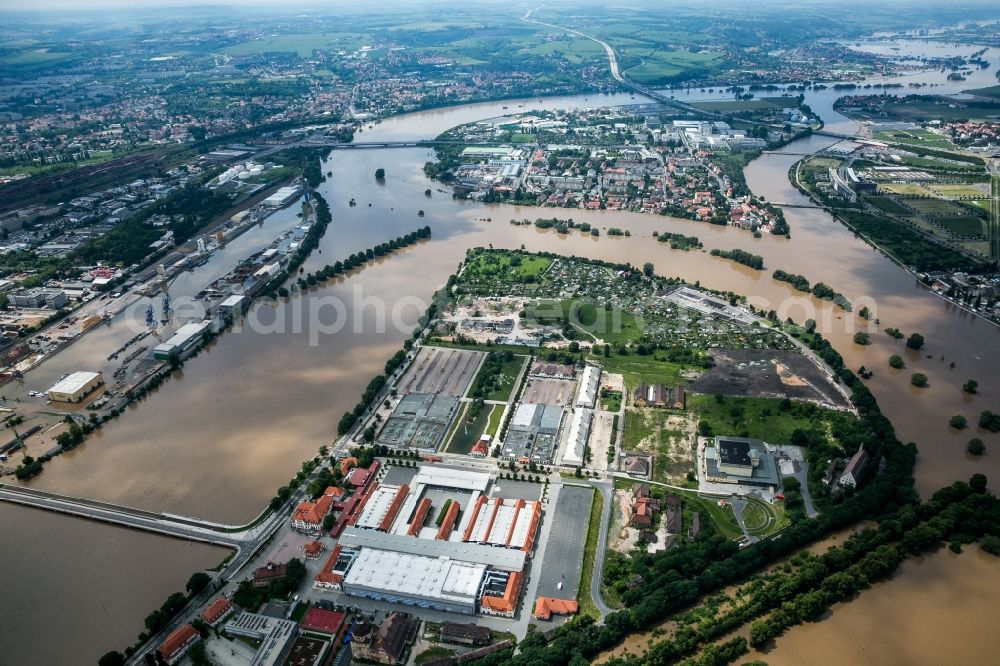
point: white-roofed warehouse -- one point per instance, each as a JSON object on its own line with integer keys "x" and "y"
{"x": 576, "y": 441}
{"x": 75, "y": 387}
{"x": 586, "y": 394}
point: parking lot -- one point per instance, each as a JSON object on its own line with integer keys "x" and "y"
{"x": 567, "y": 539}
{"x": 439, "y": 370}
{"x": 549, "y": 392}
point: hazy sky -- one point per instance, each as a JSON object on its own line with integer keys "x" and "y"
{"x": 83, "y": 5}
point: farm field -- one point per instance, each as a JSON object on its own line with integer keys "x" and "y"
{"x": 302, "y": 44}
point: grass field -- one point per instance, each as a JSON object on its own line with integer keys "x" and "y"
{"x": 643, "y": 369}
{"x": 608, "y": 325}
{"x": 918, "y": 138}
{"x": 963, "y": 226}
{"x": 639, "y": 427}
{"x": 888, "y": 205}
{"x": 34, "y": 59}
{"x": 494, "y": 423}
{"x": 760, "y": 418}
{"x": 663, "y": 66}
{"x": 929, "y": 110}
{"x": 934, "y": 206}
{"x": 961, "y": 189}
{"x": 302, "y": 44}
{"x": 906, "y": 188}
{"x": 587, "y": 606}
{"x": 721, "y": 516}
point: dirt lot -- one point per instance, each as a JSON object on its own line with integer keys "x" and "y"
{"x": 439, "y": 370}
{"x": 768, "y": 373}
{"x": 549, "y": 392}
{"x": 600, "y": 439}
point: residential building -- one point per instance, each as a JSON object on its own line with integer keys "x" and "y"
{"x": 659, "y": 395}
{"x": 387, "y": 643}
{"x": 308, "y": 516}
{"x": 265, "y": 575}
{"x": 216, "y": 611}
{"x": 176, "y": 644}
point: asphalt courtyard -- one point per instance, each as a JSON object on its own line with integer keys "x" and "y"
{"x": 549, "y": 391}
{"x": 567, "y": 539}
{"x": 439, "y": 370}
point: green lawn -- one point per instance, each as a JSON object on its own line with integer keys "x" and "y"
{"x": 963, "y": 226}
{"x": 642, "y": 369}
{"x": 494, "y": 423}
{"x": 587, "y": 606}
{"x": 722, "y": 517}
{"x": 918, "y": 138}
{"x": 888, "y": 205}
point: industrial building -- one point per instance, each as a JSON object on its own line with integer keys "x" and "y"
{"x": 75, "y": 387}
{"x": 419, "y": 421}
{"x": 740, "y": 460}
{"x": 471, "y": 559}
{"x": 576, "y": 440}
{"x": 283, "y": 197}
{"x": 182, "y": 342}
{"x": 233, "y": 305}
{"x": 586, "y": 395}
{"x": 38, "y": 298}
{"x": 533, "y": 434}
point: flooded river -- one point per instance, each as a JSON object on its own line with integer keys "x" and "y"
{"x": 218, "y": 438}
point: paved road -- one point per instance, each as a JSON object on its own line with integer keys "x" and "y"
{"x": 606, "y": 490}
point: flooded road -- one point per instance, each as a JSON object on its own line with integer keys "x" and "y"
{"x": 219, "y": 438}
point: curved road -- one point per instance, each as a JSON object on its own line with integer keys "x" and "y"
{"x": 605, "y": 489}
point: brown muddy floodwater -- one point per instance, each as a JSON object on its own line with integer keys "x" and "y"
{"x": 218, "y": 438}
{"x": 938, "y": 609}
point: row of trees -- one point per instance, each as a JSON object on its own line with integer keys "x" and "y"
{"x": 359, "y": 259}
{"x": 754, "y": 261}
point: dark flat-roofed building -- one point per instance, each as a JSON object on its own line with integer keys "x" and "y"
{"x": 464, "y": 634}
